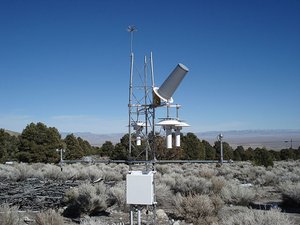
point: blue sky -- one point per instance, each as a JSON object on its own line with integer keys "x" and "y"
{"x": 66, "y": 63}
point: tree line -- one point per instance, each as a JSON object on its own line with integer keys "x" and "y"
{"x": 39, "y": 143}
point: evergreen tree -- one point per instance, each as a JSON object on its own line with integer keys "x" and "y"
{"x": 4, "y": 142}
{"x": 239, "y": 154}
{"x": 8, "y": 146}
{"x": 210, "y": 152}
{"x": 263, "y": 157}
{"x": 73, "y": 149}
{"x": 107, "y": 149}
{"x": 192, "y": 147}
{"x": 85, "y": 146}
{"x": 38, "y": 143}
{"x": 164, "y": 153}
{"x": 286, "y": 154}
{"x": 227, "y": 150}
{"x": 275, "y": 155}
{"x": 249, "y": 154}
{"x": 120, "y": 152}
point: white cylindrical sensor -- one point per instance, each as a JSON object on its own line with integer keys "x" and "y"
{"x": 169, "y": 136}
{"x": 138, "y": 140}
{"x": 177, "y": 139}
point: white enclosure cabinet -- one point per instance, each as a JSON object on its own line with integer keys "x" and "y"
{"x": 140, "y": 188}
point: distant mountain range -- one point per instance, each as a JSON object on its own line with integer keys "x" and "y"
{"x": 270, "y": 139}
{"x": 96, "y": 139}
{"x": 12, "y": 133}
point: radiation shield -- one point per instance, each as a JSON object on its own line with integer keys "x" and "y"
{"x": 168, "y": 125}
{"x": 178, "y": 127}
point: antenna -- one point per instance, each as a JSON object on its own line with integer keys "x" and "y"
{"x": 131, "y": 29}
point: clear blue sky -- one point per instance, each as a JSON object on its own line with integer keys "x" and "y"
{"x": 66, "y": 63}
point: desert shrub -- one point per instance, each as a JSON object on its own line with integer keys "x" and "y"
{"x": 49, "y": 217}
{"x": 117, "y": 194}
{"x": 191, "y": 184}
{"x": 87, "y": 172}
{"x": 227, "y": 171}
{"x": 24, "y": 171}
{"x": 163, "y": 169}
{"x": 290, "y": 193}
{"x": 86, "y": 199}
{"x": 217, "y": 201}
{"x": 217, "y": 184}
{"x": 168, "y": 179}
{"x": 269, "y": 178}
{"x": 123, "y": 170}
{"x": 258, "y": 217}
{"x": 97, "y": 221}
{"x": 8, "y": 173}
{"x": 287, "y": 171}
{"x": 69, "y": 172}
{"x": 234, "y": 193}
{"x": 177, "y": 169}
{"x": 9, "y": 215}
{"x": 196, "y": 209}
{"x": 51, "y": 172}
{"x": 112, "y": 175}
{"x": 93, "y": 172}
{"x": 254, "y": 175}
{"x": 207, "y": 172}
{"x": 164, "y": 195}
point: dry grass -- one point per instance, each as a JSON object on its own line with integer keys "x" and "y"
{"x": 10, "y": 216}
{"x": 194, "y": 192}
{"x": 86, "y": 199}
{"x": 50, "y": 217}
{"x": 258, "y": 217}
{"x": 291, "y": 193}
{"x": 117, "y": 195}
{"x": 196, "y": 209}
{"x": 234, "y": 193}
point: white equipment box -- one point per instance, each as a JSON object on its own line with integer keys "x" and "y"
{"x": 140, "y": 188}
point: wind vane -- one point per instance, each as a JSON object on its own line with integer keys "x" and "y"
{"x": 131, "y": 29}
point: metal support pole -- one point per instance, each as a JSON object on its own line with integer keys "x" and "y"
{"x": 220, "y": 137}
{"x": 145, "y": 101}
{"x": 130, "y": 103}
{"x": 221, "y": 152}
{"x": 131, "y": 30}
{"x": 139, "y": 216}
{"x": 154, "y": 214}
{"x": 61, "y": 155}
{"x": 131, "y": 215}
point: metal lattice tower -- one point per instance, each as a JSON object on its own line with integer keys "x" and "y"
{"x": 141, "y": 111}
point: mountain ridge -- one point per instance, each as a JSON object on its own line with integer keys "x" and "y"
{"x": 271, "y": 139}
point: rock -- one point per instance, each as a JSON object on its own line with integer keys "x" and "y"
{"x": 28, "y": 220}
{"x": 161, "y": 215}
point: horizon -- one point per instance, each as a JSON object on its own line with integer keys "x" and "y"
{"x": 66, "y": 64}
{"x": 270, "y": 139}
{"x": 184, "y": 132}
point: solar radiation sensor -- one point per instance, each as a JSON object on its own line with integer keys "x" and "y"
{"x": 167, "y": 89}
